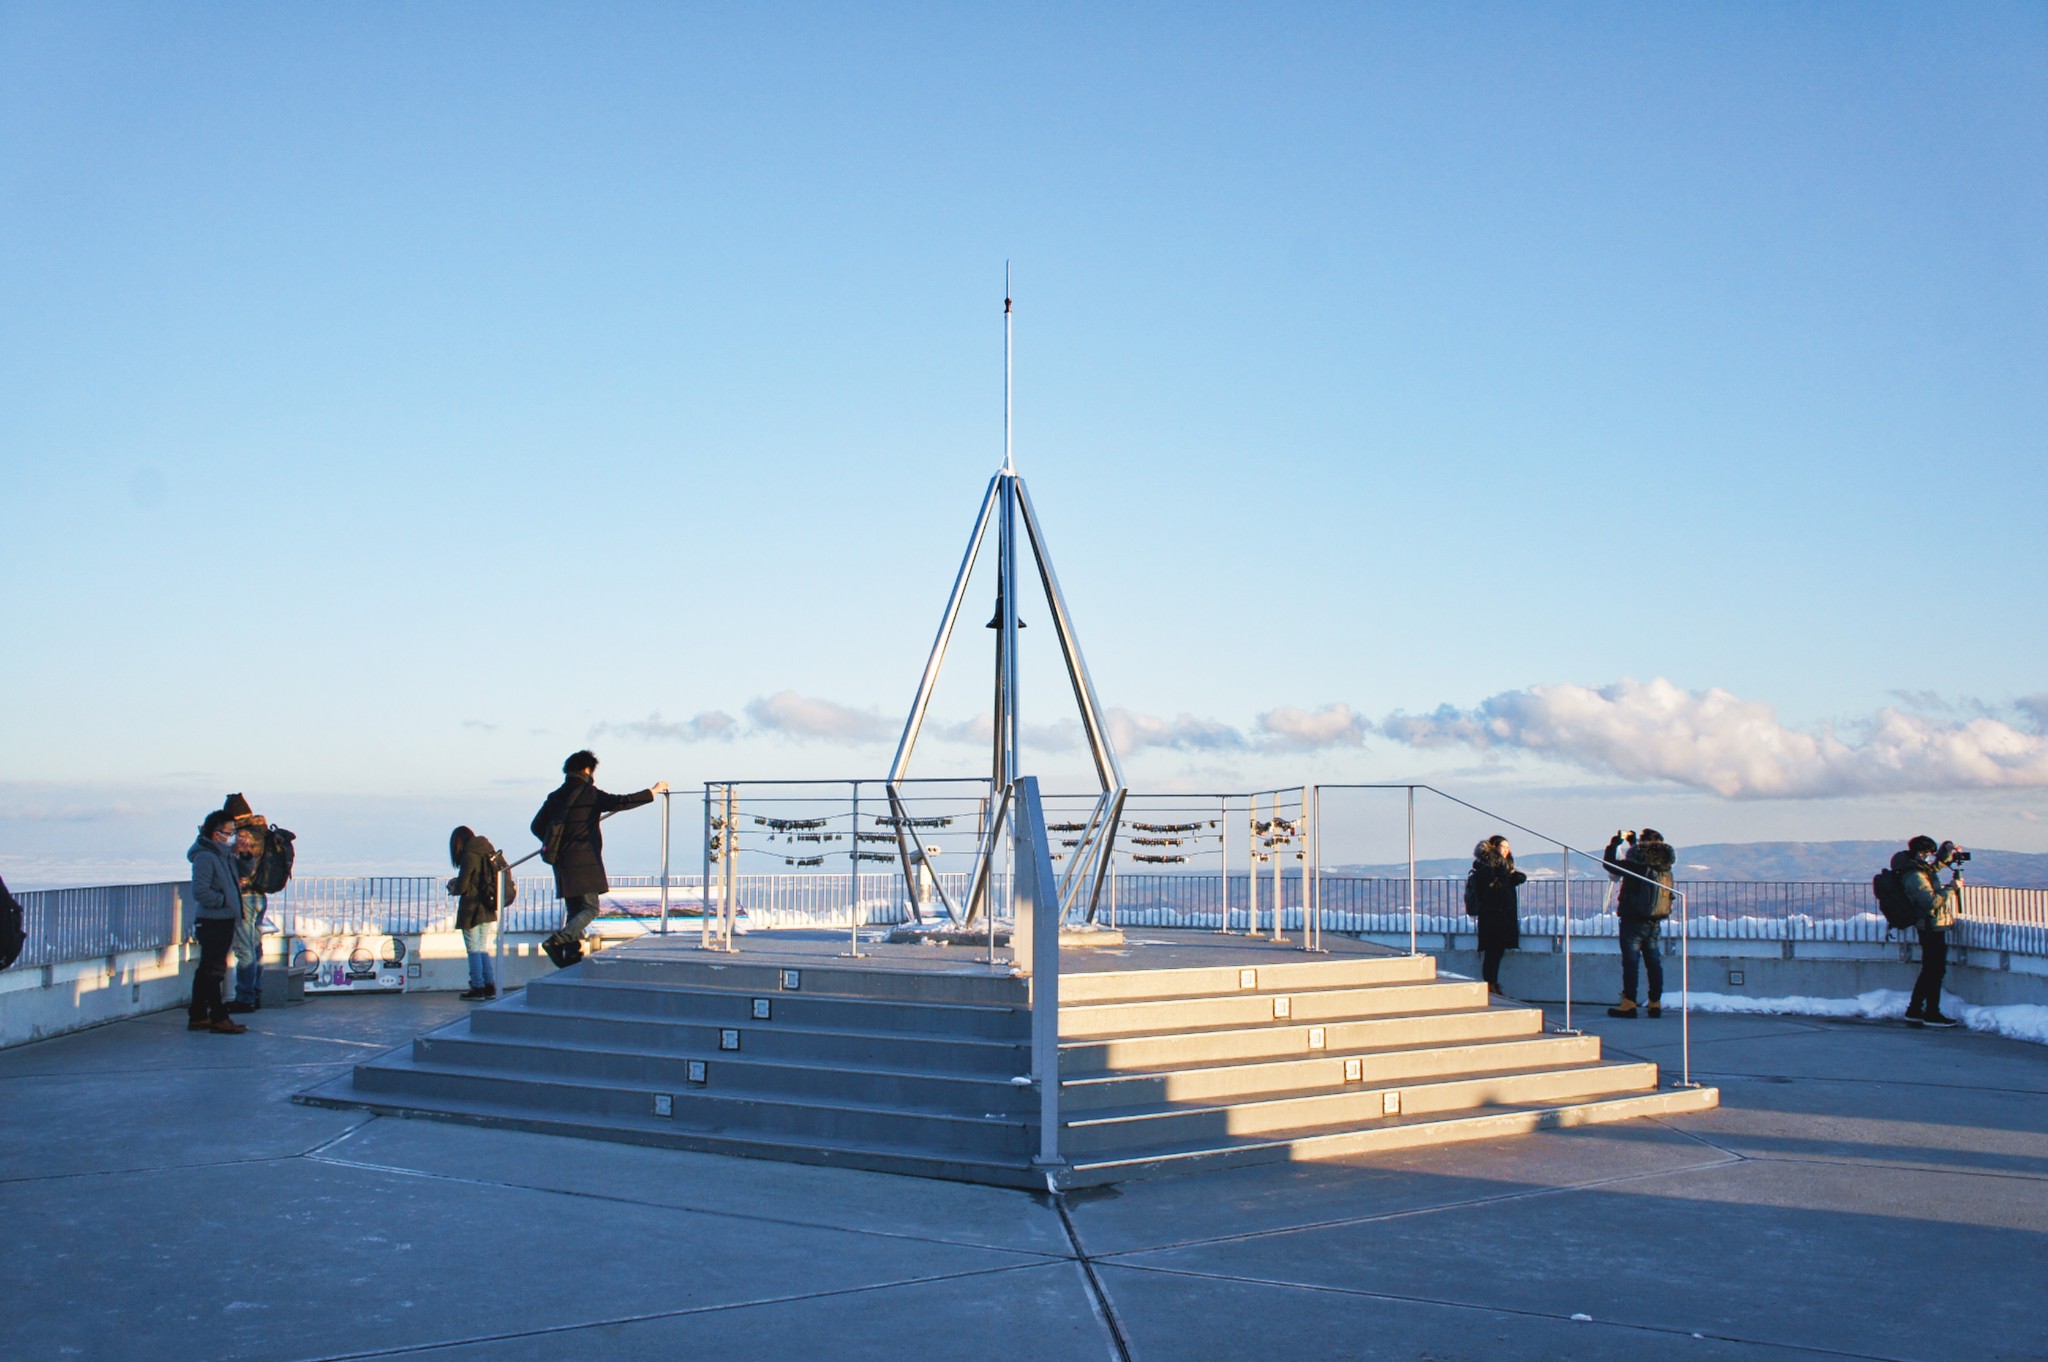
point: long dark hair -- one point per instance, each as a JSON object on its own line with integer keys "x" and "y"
{"x": 457, "y": 841}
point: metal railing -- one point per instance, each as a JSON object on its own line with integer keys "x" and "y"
{"x": 83, "y": 924}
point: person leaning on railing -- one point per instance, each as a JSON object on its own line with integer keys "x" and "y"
{"x": 570, "y": 823}
{"x": 1642, "y": 905}
{"x": 1918, "y": 868}
{"x": 217, "y": 901}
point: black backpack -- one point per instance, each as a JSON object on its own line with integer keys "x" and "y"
{"x": 274, "y": 867}
{"x": 500, "y": 873}
{"x": 1899, "y": 912}
{"x": 13, "y": 927}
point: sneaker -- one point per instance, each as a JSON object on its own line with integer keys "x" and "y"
{"x": 1654, "y": 1010}
{"x": 554, "y": 951}
{"x": 224, "y": 1027}
{"x": 1916, "y": 1015}
{"x": 1625, "y": 1008}
{"x": 1934, "y": 1017}
{"x": 474, "y": 993}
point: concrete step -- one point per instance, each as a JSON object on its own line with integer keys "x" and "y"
{"x": 1249, "y": 1009}
{"x": 967, "y": 983}
{"x": 775, "y": 1039}
{"x": 739, "y": 1072}
{"x": 1325, "y": 1072}
{"x": 914, "y": 1159}
{"x": 1188, "y": 1125}
{"x": 1408, "y": 1131}
{"x": 399, "y": 1080}
{"x": 581, "y": 994}
{"x": 1272, "y": 1040}
{"x": 1099, "y": 986}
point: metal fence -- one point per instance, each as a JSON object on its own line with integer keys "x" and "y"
{"x": 82, "y": 924}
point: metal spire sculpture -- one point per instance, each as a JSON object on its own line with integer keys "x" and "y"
{"x": 1008, "y": 502}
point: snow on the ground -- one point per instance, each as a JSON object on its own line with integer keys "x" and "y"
{"x": 2019, "y": 1021}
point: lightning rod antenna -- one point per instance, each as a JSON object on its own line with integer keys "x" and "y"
{"x": 1009, "y": 461}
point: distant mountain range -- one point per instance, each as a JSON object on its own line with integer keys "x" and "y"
{"x": 1755, "y": 861}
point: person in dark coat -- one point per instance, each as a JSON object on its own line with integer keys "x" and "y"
{"x": 1642, "y": 905}
{"x": 1491, "y": 898}
{"x": 476, "y": 889}
{"x": 579, "y": 807}
{"x": 217, "y": 905}
{"x": 1919, "y": 868}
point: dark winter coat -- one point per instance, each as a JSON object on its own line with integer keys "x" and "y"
{"x": 1937, "y": 902}
{"x": 216, "y": 881}
{"x": 1490, "y": 898}
{"x": 1639, "y": 901}
{"x": 475, "y": 886}
{"x": 578, "y": 804}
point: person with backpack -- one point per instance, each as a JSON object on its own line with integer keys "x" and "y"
{"x": 217, "y": 905}
{"x": 480, "y": 871}
{"x": 1491, "y": 897}
{"x": 572, "y": 841}
{"x": 1643, "y": 904}
{"x": 1917, "y": 869}
{"x": 13, "y": 927}
{"x": 256, "y": 852}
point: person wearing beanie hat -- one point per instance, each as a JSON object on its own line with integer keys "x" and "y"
{"x": 1918, "y": 868}
{"x": 569, "y": 822}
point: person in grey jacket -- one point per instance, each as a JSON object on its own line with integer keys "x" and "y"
{"x": 217, "y": 901}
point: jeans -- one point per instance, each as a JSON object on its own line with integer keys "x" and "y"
{"x": 1639, "y": 937}
{"x": 1933, "y": 969}
{"x": 579, "y": 913}
{"x": 481, "y": 944}
{"x": 249, "y": 948}
{"x": 216, "y": 935}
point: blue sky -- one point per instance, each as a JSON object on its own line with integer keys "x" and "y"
{"x": 1616, "y": 413}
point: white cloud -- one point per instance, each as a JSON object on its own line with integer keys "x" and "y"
{"x": 804, "y": 716}
{"x": 713, "y": 725}
{"x": 1132, "y": 732}
{"x": 1717, "y": 741}
{"x": 1333, "y": 725}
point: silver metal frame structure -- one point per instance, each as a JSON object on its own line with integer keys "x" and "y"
{"x": 1005, "y": 502}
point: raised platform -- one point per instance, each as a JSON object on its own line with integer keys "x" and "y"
{"x": 1178, "y": 1050}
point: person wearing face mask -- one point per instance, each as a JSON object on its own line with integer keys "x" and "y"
{"x": 217, "y": 902}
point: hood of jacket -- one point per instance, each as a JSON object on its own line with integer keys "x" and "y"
{"x": 1486, "y": 856}
{"x": 1653, "y": 856}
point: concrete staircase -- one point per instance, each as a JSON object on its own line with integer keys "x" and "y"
{"x": 916, "y": 1064}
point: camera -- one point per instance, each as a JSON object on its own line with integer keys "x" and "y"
{"x": 1950, "y": 854}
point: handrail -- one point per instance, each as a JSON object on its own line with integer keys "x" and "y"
{"x": 1613, "y": 869}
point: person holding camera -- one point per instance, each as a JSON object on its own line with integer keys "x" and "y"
{"x": 1491, "y": 899}
{"x": 1645, "y": 901}
{"x": 1919, "y": 869}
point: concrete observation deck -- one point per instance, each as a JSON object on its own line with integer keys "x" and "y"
{"x": 165, "y": 1200}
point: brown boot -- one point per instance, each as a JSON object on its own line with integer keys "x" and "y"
{"x": 198, "y": 1024}
{"x": 1654, "y": 1008}
{"x": 1625, "y": 1008}
{"x": 227, "y": 1027}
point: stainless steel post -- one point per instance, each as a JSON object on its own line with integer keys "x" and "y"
{"x": 1413, "y": 948}
{"x": 1685, "y": 986}
{"x": 729, "y": 890}
{"x": 497, "y": 942}
{"x": 664, "y": 861}
{"x": 1223, "y": 851}
{"x": 1251, "y": 866}
{"x": 853, "y": 894}
{"x": 1567, "y": 938}
{"x": 1279, "y": 885}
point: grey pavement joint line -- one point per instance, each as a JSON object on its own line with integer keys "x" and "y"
{"x": 397, "y": 1171}
{"x": 150, "y": 1168}
{"x": 1667, "y": 1330}
{"x": 1526, "y": 1194}
{"x": 88, "y": 1074}
{"x": 330, "y": 1143}
{"x": 441, "y": 1345}
{"x": 1105, "y": 1308}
